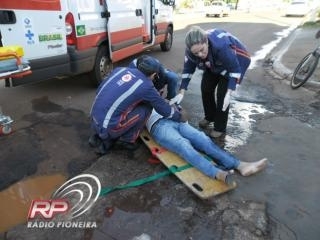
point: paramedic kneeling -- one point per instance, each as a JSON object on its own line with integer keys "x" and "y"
{"x": 124, "y": 102}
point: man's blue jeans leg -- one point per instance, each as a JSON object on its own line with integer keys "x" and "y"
{"x": 185, "y": 140}
{"x": 203, "y": 143}
{"x": 172, "y": 80}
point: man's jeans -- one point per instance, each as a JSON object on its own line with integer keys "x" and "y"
{"x": 172, "y": 79}
{"x": 186, "y": 141}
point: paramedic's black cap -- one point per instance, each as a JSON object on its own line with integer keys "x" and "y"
{"x": 148, "y": 65}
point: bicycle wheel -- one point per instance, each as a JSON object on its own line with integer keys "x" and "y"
{"x": 304, "y": 70}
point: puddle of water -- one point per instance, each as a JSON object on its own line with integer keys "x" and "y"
{"x": 241, "y": 122}
{"x": 15, "y": 200}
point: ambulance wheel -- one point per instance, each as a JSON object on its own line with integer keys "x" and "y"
{"x": 166, "y": 45}
{"x": 102, "y": 66}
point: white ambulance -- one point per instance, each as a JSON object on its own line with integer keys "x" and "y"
{"x": 70, "y": 37}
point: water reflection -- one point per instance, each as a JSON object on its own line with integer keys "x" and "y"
{"x": 241, "y": 119}
{"x": 15, "y": 200}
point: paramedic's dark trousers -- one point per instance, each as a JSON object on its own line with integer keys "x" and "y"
{"x": 213, "y": 91}
{"x": 129, "y": 128}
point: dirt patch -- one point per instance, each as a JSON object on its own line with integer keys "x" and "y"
{"x": 56, "y": 141}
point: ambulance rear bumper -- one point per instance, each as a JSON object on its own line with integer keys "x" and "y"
{"x": 45, "y": 68}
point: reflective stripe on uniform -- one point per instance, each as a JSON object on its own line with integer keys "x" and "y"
{"x": 120, "y": 99}
{"x": 223, "y": 72}
{"x": 235, "y": 75}
{"x": 172, "y": 112}
{"x": 186, "y": 75}
{"x": 105, "y": 84}
{"x": 108, "y": 81}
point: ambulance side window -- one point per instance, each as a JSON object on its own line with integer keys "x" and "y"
{"x": 7, "y": 17}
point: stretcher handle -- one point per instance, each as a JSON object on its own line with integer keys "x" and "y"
{"x": 12, "y": 54}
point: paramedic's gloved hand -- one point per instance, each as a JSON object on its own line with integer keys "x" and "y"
{"x": 226, "y": 101}
{"x": 177, "y": 99}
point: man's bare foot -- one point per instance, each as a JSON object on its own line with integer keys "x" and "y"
{"x": 249, "y": 168}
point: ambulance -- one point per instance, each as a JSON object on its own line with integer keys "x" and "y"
{"x": 70, "y": 37}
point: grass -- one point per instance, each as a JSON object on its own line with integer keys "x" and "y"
{"x": 313, "y": 23}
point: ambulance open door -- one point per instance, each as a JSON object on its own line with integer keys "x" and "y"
{"x": 125, "y": 28}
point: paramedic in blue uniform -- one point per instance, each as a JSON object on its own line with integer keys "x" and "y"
{"x": 224, "y": 61}
{"x": 123, "y": 103}
{"x": 166, "y": 77}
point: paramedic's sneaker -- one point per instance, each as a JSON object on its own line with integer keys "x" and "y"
{"x": 215, "y": 134}
{"x": 127, "y": 145}
{"x": 101, "y": 149}
{"x": 249, "y": 168}
{"x": 206, "y": 124}
{"x": 94, "y": 140}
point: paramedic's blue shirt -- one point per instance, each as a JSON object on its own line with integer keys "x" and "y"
{"x": 124, "y": 89}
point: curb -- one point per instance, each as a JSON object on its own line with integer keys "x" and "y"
{"x": 277, "y": 66}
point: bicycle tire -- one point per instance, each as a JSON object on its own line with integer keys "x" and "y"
{"x": 304, "y": 70}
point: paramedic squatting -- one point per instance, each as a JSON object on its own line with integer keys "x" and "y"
{"x": 123, "y": 103}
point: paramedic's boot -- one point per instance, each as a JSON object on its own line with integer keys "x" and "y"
{"x": 128, "y": 145}
{"x": 249, "y": 168}
{"x": 205, "y": 124}
{"x": 104, "y": 146}
{"x": 94, "y": 140}
{"x": 215, "y": 134}
{"x": 101, "y": 149}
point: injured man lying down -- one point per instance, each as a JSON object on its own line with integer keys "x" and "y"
{"x": 191, "y": 144}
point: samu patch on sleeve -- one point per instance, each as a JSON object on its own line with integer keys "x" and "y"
{"x": 125, "y": 78}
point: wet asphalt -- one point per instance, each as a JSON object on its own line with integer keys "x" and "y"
{"x": 268, "y": 120}
{"x": 278, "y": 203}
